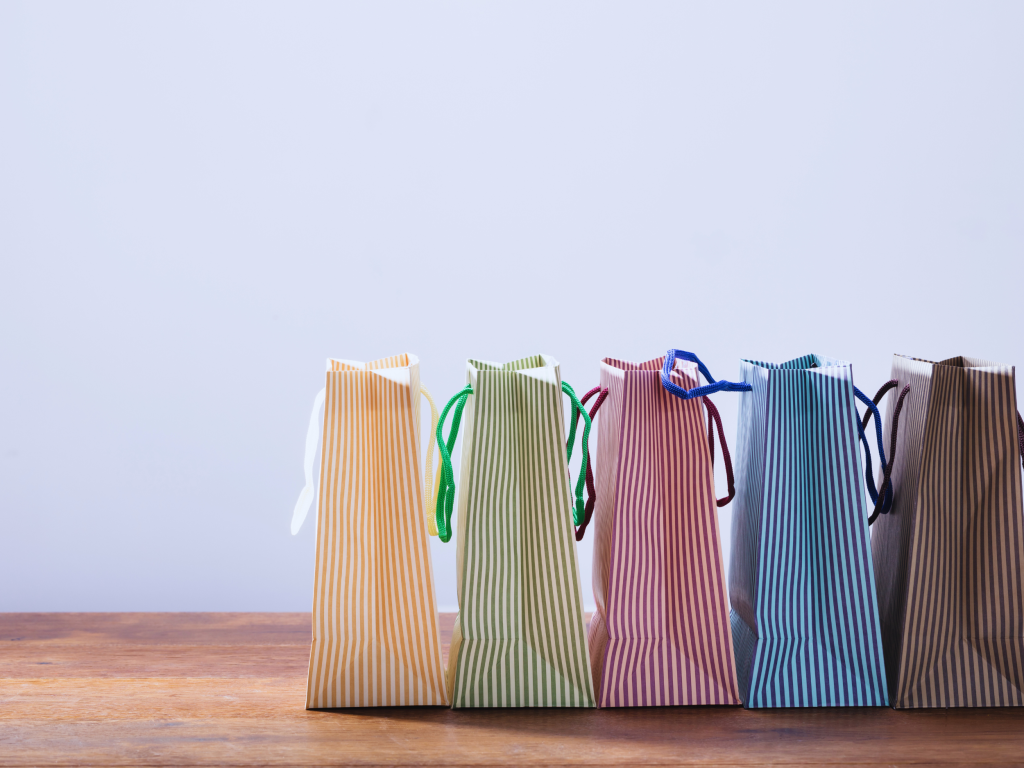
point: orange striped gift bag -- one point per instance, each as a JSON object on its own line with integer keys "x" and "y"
{"x": 949, "y": 557}
{"x": 661, "y": 634}
{"x": 376, "y": 641}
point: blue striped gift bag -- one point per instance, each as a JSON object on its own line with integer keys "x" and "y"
{"x": 804, "y": 612}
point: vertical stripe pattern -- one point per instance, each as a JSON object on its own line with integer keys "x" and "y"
{"x": 376, "y": 638}
{"x": 949, "y": 557}
{"x": 520, "y": 636}
{"x": 661, "y": 634}
{"x": 805, "y": 615}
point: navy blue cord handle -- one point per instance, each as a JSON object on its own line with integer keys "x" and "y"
{"x": 707, "y": 389}
{"x": 887, "y": 499}
{"x": 883, "y": 497}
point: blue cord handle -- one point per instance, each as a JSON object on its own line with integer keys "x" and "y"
{"x": 707, "y": 389}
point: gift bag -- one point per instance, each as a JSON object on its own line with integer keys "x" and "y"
{"x": 661, "y": 633}
{"x": 375, "y": 627}
{"x": 520, "y": 638}
{"x": 948, "y": 560}
{"x": 804, "y": 612}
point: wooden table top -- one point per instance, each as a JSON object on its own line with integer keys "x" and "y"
{"x": 228, "y": 689}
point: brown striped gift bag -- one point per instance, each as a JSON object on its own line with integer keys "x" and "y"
{"x": 375, "y": 627}
{"x": 661, "y": 634}
{"x": 949, "y": 557}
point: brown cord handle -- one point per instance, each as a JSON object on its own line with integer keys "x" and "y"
{"x": 717, "y": 419}
{"x": 1020, "y": 438}
{"x": 588, "y": 510}
{"x": 877, "y": 399}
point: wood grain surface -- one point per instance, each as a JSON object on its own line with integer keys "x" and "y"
{"x": 228, "y": 689}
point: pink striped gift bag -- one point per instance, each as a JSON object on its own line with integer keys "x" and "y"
{"x": 661, "y": 634}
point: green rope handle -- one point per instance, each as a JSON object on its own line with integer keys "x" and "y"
{"x": 578, "y": 512}
{"x": 446, "y": 488}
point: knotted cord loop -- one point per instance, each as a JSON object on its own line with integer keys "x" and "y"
{"x": 708, "y": 389}
{"x": 588, "y": 511}
{"x": 883, "y": 497}
{"x": 446, "y": 488}
{"x": 861, "y": 426}
{"x": 579, "y": 508}
{"x": 892, "y": 453}
{"x": 713, "y": 415}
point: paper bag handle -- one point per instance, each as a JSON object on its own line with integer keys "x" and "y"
{"x": 713, "y": 416}
{"x": 307, "y": 496}
{"x": 883, "y": 498}
{"x": 579, "y": 508}
{"x": 709, "y": 389}
{"x": 308, "y": 493}
{"x": 1020, "y": 438}
{"x": 588, "y": 511}
{"x": 446, "y": 478}
{"x": 431, "y": 482}
{"x": 446, "y": 487}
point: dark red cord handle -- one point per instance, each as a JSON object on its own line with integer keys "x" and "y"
{"x": 588, "y": 510}
{"x": 716, "y": 419}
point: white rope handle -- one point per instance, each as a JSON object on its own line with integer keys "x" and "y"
{"x": 307, "y": 497}
{"x": 308, "y": 494}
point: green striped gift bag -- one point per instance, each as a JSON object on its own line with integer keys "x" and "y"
{"x": 949, "y": 558}
{"x": 520, "y": 637}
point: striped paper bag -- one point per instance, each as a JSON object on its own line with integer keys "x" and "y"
{"x": 661, "y": 633}
{"x": 375, "y": 627}
{"x": 804, "y": 612}
{"x": 949, "y": 559}
{"x": 520, "y": 638}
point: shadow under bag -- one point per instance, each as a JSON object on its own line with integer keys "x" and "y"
{"x": 804, "y": 611}
{"x": 949, "y": 558}
{"x": 661, "y": 633}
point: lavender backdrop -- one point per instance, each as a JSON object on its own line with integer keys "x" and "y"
{"x": 199, "y": 202}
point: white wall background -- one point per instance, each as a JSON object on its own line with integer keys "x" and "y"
{"x": 200, "y": 202}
